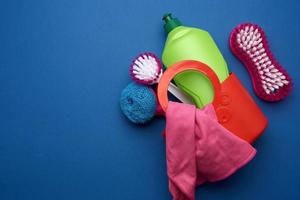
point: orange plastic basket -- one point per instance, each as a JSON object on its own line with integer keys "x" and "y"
{"x": 235, "y": 108}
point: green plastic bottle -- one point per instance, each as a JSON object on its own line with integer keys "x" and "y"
{"x": 187, "y": 43}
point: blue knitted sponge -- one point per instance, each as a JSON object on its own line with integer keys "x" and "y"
{"x": 138, "y": 103}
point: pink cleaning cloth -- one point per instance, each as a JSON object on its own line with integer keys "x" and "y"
{"x": 199, "y": 149}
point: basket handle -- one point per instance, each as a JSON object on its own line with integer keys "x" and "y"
{"x": 168, "y": 75}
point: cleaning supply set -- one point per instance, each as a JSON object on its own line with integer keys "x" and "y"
{"x": 210, "y": 139}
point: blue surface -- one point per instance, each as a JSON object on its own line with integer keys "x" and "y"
{"x": 63, "y": 65}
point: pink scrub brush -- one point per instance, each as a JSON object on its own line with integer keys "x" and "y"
{"x": 146, "y": 69}
{"x": 249, "y": 44}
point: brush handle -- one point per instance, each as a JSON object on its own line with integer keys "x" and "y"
{"x": 179, "y": 94}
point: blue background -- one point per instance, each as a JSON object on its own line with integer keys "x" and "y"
{"x": 63, "y": 64}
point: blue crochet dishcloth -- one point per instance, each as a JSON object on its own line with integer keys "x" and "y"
{"x": 138, "y": 103}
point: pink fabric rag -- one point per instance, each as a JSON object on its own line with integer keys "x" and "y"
{"x": 199, "y": 149}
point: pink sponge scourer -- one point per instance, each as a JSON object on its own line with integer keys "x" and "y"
{"x": 249, "y": 44}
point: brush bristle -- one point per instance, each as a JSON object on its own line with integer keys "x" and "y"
{"x": 146, "y": 69}
{"x": 249, "y": 44}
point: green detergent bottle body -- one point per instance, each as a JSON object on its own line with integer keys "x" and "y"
{"x": 187, "y": 43}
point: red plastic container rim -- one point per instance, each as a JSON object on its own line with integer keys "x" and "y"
{"x": 168, "y": 75}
